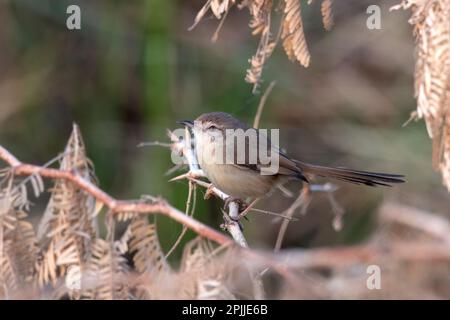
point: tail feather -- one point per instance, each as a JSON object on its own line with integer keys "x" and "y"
{"x": 353, "y": 176}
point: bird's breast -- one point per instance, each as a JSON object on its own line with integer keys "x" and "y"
{"x": 234, "y": 180}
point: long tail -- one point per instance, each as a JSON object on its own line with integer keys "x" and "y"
{"x": 354, "y": 176}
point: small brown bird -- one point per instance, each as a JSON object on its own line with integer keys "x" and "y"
{"x": 241, "y": 179}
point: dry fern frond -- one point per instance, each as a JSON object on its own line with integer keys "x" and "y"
{"x": 106, "y": 271}
{"x": 218, "y": 7}
{"x": 204, "y": 273}
{"x": 46, "y": 267}
{"x": 327, "y": 14}
{"x": 125, "y": 216}
{"x": 144, "y": 245}
{"x": 18, "y": 243}
{"x": 290, "y": 30}
{"x": 8, "y": 278}
{"x": 148, "y": 259}
{"x": 431, "y": 21}
{"x": 24, "y": 249}
{"x": 260, "y": 11}
{"x": 70, "y": 261}
{"x": 292, "y": 34}
{"x": 69, "y": 223}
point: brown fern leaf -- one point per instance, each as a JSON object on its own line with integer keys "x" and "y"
{"x": 292, "y": 34}
{"x": 204, "y": 273}
{"x": 431, "y": 21}
{"x": 18, "y": 243}
{"x": 125, "y": 216}
{"x": 445, "y": 150}
{"x": 144, "y": 245}
{"x": 69, "y": 224}
{"x": 104, "y": 278}
{"x": 8, "y": 278}
{"x": 24, "y": 249}
{"x": 261, "y": 11}
{"x": 8, "y": 216}
{"x": 327, "y": 14}
{"x": 148, "y": 258}
{"x": 218, "y": 7}
{"x": 291, "y": 30}
{"x": 46, "y": 267}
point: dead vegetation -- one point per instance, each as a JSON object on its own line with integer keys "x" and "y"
{"x": 290, "y": 31}
{"x": 64, "y": 256}
{"x": 431, "y": 28}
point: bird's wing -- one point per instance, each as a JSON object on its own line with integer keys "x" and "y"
{"x": 256, "y": 158}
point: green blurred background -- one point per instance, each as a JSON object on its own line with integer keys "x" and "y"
{"x": 134, "y": 69}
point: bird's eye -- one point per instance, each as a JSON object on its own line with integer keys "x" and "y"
{"x": 212, "y": 127}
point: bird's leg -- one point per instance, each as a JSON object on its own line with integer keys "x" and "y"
{"x": 231, "y": 199}
{"x": 243, "y": 207}
{"x": 227, "y": 220}
{"x": 209, "y": 192}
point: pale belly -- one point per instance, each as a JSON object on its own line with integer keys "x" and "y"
{"x": 237, "y": 182}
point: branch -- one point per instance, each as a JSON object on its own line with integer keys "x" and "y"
{"x": 429, "y": 223}
{"x": 341, "y": 257}
{"x": 436, "y": 249}
{"x": 262, "y": 102}
{"x": 115, "y": 206}
{"x": 302, "y": 201}
{"x": 184, "y": 147}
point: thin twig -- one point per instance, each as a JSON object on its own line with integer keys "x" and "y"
{"x": 262, "y": 102}
{"x": 289, "y": 212}
{"x": 188, "y": 211}
{"x": 154, "y": 143}
{"x": 222, "y": 21}
{"x": 274, "y": 214}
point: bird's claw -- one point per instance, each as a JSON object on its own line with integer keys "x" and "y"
{"x": 242, "y": 205}
{"x": 209, "y": 192}
{"x": 229, "y": 220}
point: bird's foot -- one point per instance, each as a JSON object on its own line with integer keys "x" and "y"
{"x": 243, "y": 207}
{"x": 209, "y": 192}
{"x": 227, "y": 221}
{"x": 241, "y": 204}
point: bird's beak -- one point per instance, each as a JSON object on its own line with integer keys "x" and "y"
{"x": 187, "y": 123}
